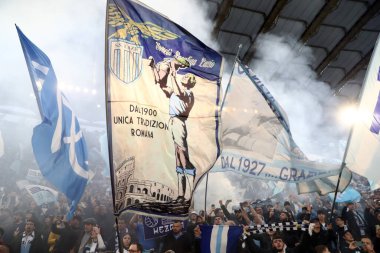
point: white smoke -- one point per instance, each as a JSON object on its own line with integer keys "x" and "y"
{"x": 71, "y": 33}
{"x": 191, "y": 15}
{"x": 284, "y": 66}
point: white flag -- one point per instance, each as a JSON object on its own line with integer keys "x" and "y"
{"x": 41, "y": 194}
{"x": 363, "y": 149}
{"x": 257, "y": 141}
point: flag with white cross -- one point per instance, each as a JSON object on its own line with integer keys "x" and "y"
{"x": 58, "y": 143}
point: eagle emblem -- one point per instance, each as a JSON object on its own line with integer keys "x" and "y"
{"x": 128, "y": 29}
{"x": 125, "y": 49}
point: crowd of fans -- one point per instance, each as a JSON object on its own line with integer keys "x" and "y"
{"x": 28, "y": 228}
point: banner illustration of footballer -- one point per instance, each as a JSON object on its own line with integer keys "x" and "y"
{"x": 181, "y": 101}
{"x": 163, "y": 110}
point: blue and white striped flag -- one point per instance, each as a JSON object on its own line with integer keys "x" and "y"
{"x": 58, "y": 144}
{"x": 220, "y": 238}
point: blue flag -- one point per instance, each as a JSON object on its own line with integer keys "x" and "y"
{"x": 220, "y": 238}
{"x": 58, "y": 143}
{"x": 348, "y": 195}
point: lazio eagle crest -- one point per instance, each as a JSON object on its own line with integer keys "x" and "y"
{"x": 125, "y": 49}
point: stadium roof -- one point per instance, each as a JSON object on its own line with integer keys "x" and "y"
{"x": 342, "y": 34}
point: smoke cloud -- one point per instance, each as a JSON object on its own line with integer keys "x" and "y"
{"x": 311, "y": 106}
{"x": 191, "y": 15}
{"x": 71, "y": 33}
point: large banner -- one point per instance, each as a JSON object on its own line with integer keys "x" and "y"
{"x": 364, "y": 144}
{"x": 58, "y": 143}
{"x": 163, "y": 89}
{"x": 257, "y": 141}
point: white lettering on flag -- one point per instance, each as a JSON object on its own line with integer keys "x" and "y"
{"x": 262, "y": 146}
{"x": 40, "y": 67}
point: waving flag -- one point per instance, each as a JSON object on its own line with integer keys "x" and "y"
{"x": 363, "y": 147}
{"x": 162, "y": 111}
{"x": 348, "y": 195}
{"x": 58, "y": 144}
{"x": 41, "y": 194}
{"x": 220, "y": 238}
{"x": 261, "y": 146}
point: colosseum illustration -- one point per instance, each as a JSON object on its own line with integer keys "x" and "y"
{"x": 133, "y": 191}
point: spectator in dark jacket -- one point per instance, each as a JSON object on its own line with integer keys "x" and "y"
{"x": 177, "y": 240}
{"x": 69, "y": 233}
{"x": 29, "y": 241}
{"x": 368, "y": 246}
{"x": 304, "y": 215}
{"x": 349, "y": 244}
{"x": 278, "y": 245}
{"x": 237, "y": 217}
{"x": 355, "y": 221}
{"x": 317, "y": 235}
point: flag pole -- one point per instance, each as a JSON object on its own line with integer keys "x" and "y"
{"x": 341, "y": 171}
{"x": 205, "y": 210}
{"x": 116, "y": 213}
{"x": 232, "y": 72}
{"x": 336, "y": 190}
{"x": 342, "y": 167}
{"x": 221, "y": 107}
